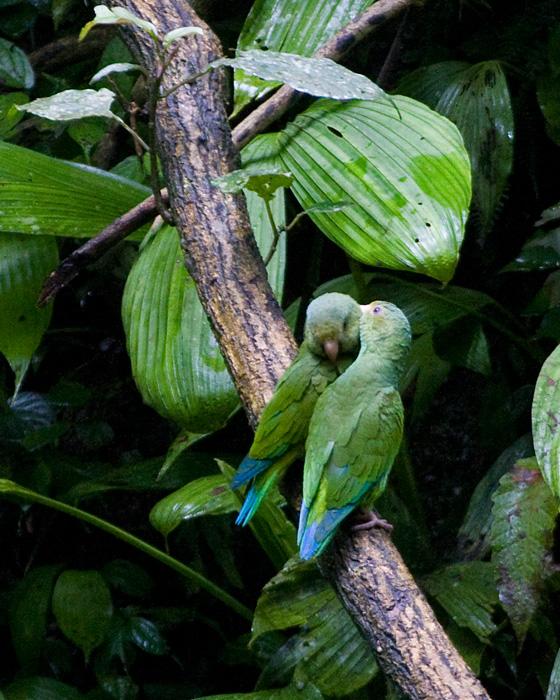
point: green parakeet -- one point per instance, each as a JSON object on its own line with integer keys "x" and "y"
{"x": 331, "y": 343}
{"x": 355, "y": 431}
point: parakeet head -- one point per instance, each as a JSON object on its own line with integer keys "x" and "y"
{"x": 332, "y": 325}
{"x": 386, "y": 330}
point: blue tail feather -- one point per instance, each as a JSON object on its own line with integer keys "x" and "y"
{"x": 315, "y": 536}
{"x": 248, "y": 508}
{"x": 249, "y": 469}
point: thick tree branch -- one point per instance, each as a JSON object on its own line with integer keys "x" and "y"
{"x": 271, "y": 110}
{"x": 221, "y": 255}
{"x": 195, "y": 146}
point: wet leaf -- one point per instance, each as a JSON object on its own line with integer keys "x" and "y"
{"x": 404, "y": 170}
{"x": 303, "y": 28}
{"x": 209, "y": 495}
{"x": 476, "y": 98}
{"x": 35, "y": 192}
{"x": 521, "y": 537}
{"x": 146, "y": 635}
{"x": 467, "y": 591}
{"x": 176, "y": 361}
{"x": 83, "y": 609}
{"x": 25, "y": 263}
{"x": 73, "y": 104}
{"x": 320, "y": 77}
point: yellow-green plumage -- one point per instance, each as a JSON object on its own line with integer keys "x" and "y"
{"x": 356, "y": 429}
{"x": 331, "y": 328}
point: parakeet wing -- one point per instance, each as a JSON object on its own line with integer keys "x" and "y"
{"x": 353, "y": 440}
{"x": 285, "y": 420}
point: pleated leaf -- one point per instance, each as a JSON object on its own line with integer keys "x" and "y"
{"x": 25, "y": 263}
{"x": 403, "y": 167}
{"x": 83, "y": 609}
{"x": 175, "y": 358}
{"x": 476, "y": 98}
{"x": 328, "y": 651}
{"x": 293, "y": 27}
{"x": 522, "y": 537}
{"x": 546, "y": 420}
{"x": 468, "y": 593}
{"x": 39, "y": 194}
{"x": 176, "y": 361}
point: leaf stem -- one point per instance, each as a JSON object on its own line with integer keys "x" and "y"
{"x": 11, "y": 488}
{"x": 275, "y": 232}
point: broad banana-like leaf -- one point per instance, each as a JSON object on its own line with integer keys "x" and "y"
{"x": 43, "y": 195}
{"x": 176, "y": 361}
{"x": 403, "y": 167}
{"x": 476, "y": 98}
{"x": 546, "y": 421}
{"x": 25, "y": 263}
{"x": 304, "y": 27}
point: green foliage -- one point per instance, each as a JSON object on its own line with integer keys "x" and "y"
{"x": 93, "y": 607}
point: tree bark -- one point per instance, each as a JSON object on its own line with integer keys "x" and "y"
{"x": 220, "y": 253}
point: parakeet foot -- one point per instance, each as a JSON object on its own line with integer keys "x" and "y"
{"x": 369, "y": 519}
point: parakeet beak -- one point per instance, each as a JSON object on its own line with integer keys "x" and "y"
{"x": 331, "y": 349}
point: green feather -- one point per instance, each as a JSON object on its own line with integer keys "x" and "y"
{"x": 356, "y": 429}
{"x": 282, "y": 430}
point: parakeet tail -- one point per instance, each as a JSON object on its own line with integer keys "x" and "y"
{"x": 249, "y": 469}
{"x": 263, "y": 484}
{"x": 315, "y": 535}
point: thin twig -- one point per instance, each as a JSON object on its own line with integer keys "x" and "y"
{"x": 96, "y": 247}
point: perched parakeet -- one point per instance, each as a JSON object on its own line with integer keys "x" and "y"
{"x": 331, "y": 343}
{"x": 355, "y": 431}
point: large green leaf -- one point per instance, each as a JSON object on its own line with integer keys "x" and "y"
{"x": 209, "y": 495}
{"x": 328, "y": 651}
{"x": 476, "y": 98}
{"x": 29, "y": 606}
{"x": 468, "y": 593}
{"x": 321, "y": 77}
{"x": 175, "y": 357}
{"x": 25, "y": 263}
{"x": 82, "y": 606}
{"x": 522, "y": 536}
{"x": 403, "y": 167}
{"x": 39, "y": 194}
{"x": 304, "y": 27}
{"x": 546, "y": 419}
{"x": 176, "y": 362}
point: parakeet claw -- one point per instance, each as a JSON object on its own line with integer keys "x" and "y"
{"x": 369, "y": 519}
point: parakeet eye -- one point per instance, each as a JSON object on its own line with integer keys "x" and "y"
{"x": 377, "y": 310}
